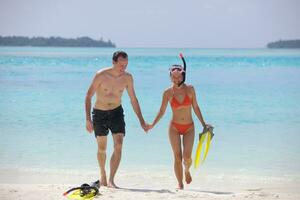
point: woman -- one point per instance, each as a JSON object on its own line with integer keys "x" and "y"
{"x": 182, "y": 99}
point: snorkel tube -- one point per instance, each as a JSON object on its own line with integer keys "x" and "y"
{"x": 184, "y": 67}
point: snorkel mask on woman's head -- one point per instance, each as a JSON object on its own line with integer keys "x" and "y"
{"x": 180, "y": 69}
{"x": 177, "y": 68}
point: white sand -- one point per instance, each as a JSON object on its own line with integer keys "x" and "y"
{"x": 146, "y": 184}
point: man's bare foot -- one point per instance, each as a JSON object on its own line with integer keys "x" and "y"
{"x": 111, "y": 184}
{"x": 103, "y": 181}
{"x": 188, "y": 177}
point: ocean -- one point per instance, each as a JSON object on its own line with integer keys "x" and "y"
{"x": 250, "y": 96}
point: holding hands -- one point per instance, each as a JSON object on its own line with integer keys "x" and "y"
{"x": 146, "y": 126}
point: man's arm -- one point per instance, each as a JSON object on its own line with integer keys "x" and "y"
{"x": 134, "y": 101}
{"x": 88, "y": 101}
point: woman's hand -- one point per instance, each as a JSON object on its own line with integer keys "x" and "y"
{"x": 146, "y": 127}
{"x": 207, "y": 127}
{"x": 149, "y": 127}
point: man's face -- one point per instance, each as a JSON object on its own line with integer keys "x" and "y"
{"x": 121, "y": 64}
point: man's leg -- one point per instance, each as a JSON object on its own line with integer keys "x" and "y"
{"x": 101, "y": 155}
{"x": 115, "y": 158}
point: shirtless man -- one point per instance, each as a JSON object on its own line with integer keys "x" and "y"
{"x": 109, "y": 84}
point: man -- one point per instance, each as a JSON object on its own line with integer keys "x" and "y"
{"x": 109, "y": 84}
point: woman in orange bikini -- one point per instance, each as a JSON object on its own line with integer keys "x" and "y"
{"x": 182, "y": 99}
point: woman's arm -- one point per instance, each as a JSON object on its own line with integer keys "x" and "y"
{"x": 196, "y": 107}
{"x": 162, "y": 109}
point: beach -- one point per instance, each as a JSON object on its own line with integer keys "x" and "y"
{"x": 250, "y": 96}
{"x": 147, "y": 184}
{"x": 198, "y": 92}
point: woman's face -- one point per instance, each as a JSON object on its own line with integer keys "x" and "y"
{"x": 176, "y": 77}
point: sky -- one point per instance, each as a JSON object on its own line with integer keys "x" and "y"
{"x": 156, "y": 23}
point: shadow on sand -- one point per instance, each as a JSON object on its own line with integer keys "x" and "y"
{"x": 147, "y": 190}
{"x": 211, "y": 192}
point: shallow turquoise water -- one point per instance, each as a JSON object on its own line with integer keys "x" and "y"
{"x": 251, "y": 96}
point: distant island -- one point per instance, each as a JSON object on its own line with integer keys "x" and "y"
{"x": 285, "y": 44}
{"x": 53, "y": 42}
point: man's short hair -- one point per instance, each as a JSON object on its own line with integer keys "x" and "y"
{"x": 118, "y": 54}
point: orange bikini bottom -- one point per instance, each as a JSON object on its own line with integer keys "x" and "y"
{"x": 182, "y": 128}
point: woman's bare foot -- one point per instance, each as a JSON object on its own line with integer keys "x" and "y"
{"x": 187, "y": 164}
{"x": 180, "y": 186}
{"x": 188, "y": 177}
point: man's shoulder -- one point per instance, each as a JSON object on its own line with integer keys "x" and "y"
{"x": 103, "y": 71}
{"x": 128, "y": 75}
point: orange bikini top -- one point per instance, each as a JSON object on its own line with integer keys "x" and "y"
{"x": 186, "y": 102}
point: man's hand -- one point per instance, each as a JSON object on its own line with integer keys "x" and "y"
{"x": 148, "y": 127}
{"x": 89, "y": 126}
{"x": 145, "y": 126}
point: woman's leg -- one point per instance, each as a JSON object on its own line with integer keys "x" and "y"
{"x": 188, "y": 142}
{"x": 176, "y": 147}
